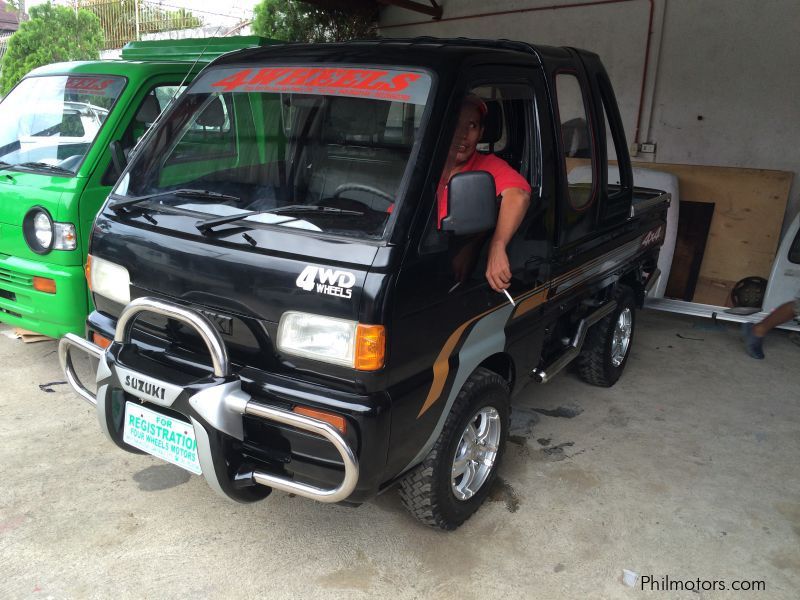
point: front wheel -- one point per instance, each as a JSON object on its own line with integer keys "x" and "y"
{"x": 608, "y": 343}
{"x": 457, "y": 475}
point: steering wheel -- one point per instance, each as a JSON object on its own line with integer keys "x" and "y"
{"x": 362, "y": 187}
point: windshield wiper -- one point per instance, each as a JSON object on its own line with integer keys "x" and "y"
{"x": 182, "y": 193}
{"x": 301, "y": 208}
{"x": 44, "y": 167}
{"x": 208, "y": 224}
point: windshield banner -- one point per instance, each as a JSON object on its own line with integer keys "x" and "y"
{"x": 378, "y": 84}
{"x": 103, "y": 87}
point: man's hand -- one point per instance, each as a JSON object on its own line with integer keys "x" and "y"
{"x": 513, "y": 206}
{"x": 498, "y": 271}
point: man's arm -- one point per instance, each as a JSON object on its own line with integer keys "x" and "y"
{"x": 514, "y": 205}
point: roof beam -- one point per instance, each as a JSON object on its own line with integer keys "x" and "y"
{"x": 434, "y": 10}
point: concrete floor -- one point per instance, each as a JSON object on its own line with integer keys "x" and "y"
{"x": 687, "y": 468}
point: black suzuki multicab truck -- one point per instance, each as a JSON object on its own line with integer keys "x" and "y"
{"x": 279, "y": 305}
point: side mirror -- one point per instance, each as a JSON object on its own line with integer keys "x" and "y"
{"x": 471, "y": 203}
{"x": 118, "y": 156}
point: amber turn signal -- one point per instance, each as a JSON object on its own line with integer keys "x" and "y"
{"x": 43, "y": 284}
{"x": 336, "y": 420}
{"x": 88, "y": 271}
{"x": 370, "y": 347}
{"x": 101, "y": 341}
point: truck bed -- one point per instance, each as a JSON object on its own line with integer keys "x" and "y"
{"x": 645, "y": 198}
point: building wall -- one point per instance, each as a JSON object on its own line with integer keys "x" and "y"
{"x": 721, "y": 85}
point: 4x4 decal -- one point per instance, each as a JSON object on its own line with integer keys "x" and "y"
{"x": 327, "y": 281}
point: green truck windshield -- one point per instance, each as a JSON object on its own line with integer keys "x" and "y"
{"x": 315, "y": 148}
{"x": 51, "y": 122}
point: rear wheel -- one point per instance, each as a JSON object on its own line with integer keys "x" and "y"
{"x": 608, "y": 342}
{"x": 457, "y": 475}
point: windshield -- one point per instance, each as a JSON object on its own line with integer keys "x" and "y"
{"x": 318, "y": 149}
{"x": 51, "y": 122}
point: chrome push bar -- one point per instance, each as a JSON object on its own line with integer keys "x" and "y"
{"x": 223, "y": 411}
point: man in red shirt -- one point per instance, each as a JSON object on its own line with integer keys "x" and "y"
{"x": 512, "y": 188}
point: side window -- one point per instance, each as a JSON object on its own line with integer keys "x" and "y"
{"x": 210, "y": 134}
{"x": 151, "y": 106}
{"x": 156, "y": 100}
{"x": 508, "y": 129}
{"x": 794, "y": 251}
{"x": 153, "y": 103}
{"x": 509, "y": 132}
{"x": 576, "y": 140}
{"x": 615, "y": 143}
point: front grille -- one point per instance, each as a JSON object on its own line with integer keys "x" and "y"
{"x": 8, "y": 295}
{"x": 8, "y": 276}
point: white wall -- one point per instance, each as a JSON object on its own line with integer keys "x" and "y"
{"x": 733, "y": 62}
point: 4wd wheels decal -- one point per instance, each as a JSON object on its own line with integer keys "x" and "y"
{"x": 327, "y": 281}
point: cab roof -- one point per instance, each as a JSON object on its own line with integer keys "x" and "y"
{"x": 434, "y": 53}
{"x": 157, "y": 56}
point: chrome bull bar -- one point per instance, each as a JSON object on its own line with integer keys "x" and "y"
{"x": 217, "y": 409}
{"x": 66, "y": 344}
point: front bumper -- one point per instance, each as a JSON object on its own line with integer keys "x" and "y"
{"x": 219, "y": 410}
{"x": 53, "y": 315}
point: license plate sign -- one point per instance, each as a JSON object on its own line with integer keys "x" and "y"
{"x": 162, "y": 436}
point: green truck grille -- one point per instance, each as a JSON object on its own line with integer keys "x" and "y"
{"x": 7, "y": 276}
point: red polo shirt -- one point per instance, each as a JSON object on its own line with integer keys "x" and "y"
{"x": 505, "y": 177}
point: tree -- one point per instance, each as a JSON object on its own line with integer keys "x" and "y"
{"x": 53, "y": 34}
{"x": 295, "y": 21}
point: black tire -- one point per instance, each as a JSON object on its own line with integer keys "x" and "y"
{"x": 427, "y": 491}
{"x": 595, "y": 363}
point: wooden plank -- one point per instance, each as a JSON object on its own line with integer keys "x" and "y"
{"x": 714, "y": 291}
{"x": 748, "y": 214}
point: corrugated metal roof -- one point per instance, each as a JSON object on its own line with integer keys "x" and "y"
{"x": 8, "y": 18}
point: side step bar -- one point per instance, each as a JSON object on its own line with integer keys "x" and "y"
{"x": 547, "y": 373}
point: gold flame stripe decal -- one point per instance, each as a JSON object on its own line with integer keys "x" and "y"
{"x": 525, "y": 303}
{"x": 441, "y": 367}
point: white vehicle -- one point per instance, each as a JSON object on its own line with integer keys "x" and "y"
{"x": 783, "y": 286}
{"x": 52, "y": 125}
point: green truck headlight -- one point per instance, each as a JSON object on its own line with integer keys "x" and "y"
{"x": 44, "y": 235}
{"x": 37, "y": 227}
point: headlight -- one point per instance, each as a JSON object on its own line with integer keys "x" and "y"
{"x": 43, "y": 235}
{"x": 336, "y": 341}
{"x": 109, "y": 280}
{"x": 37, "y": 227}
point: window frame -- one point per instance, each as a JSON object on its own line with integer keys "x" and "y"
{"x": 594, "y": 194}
{"x": 515, "y": 76}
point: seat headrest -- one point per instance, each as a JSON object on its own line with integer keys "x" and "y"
{"x": 213, "y": 115}
{"x": 354, "y": 120}
{"x": 492, "y": 123}
{"x": 149, "y": 110}
{"x": 575, "y": 133}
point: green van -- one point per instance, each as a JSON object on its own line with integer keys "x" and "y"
{"x": 65, "y": 132}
